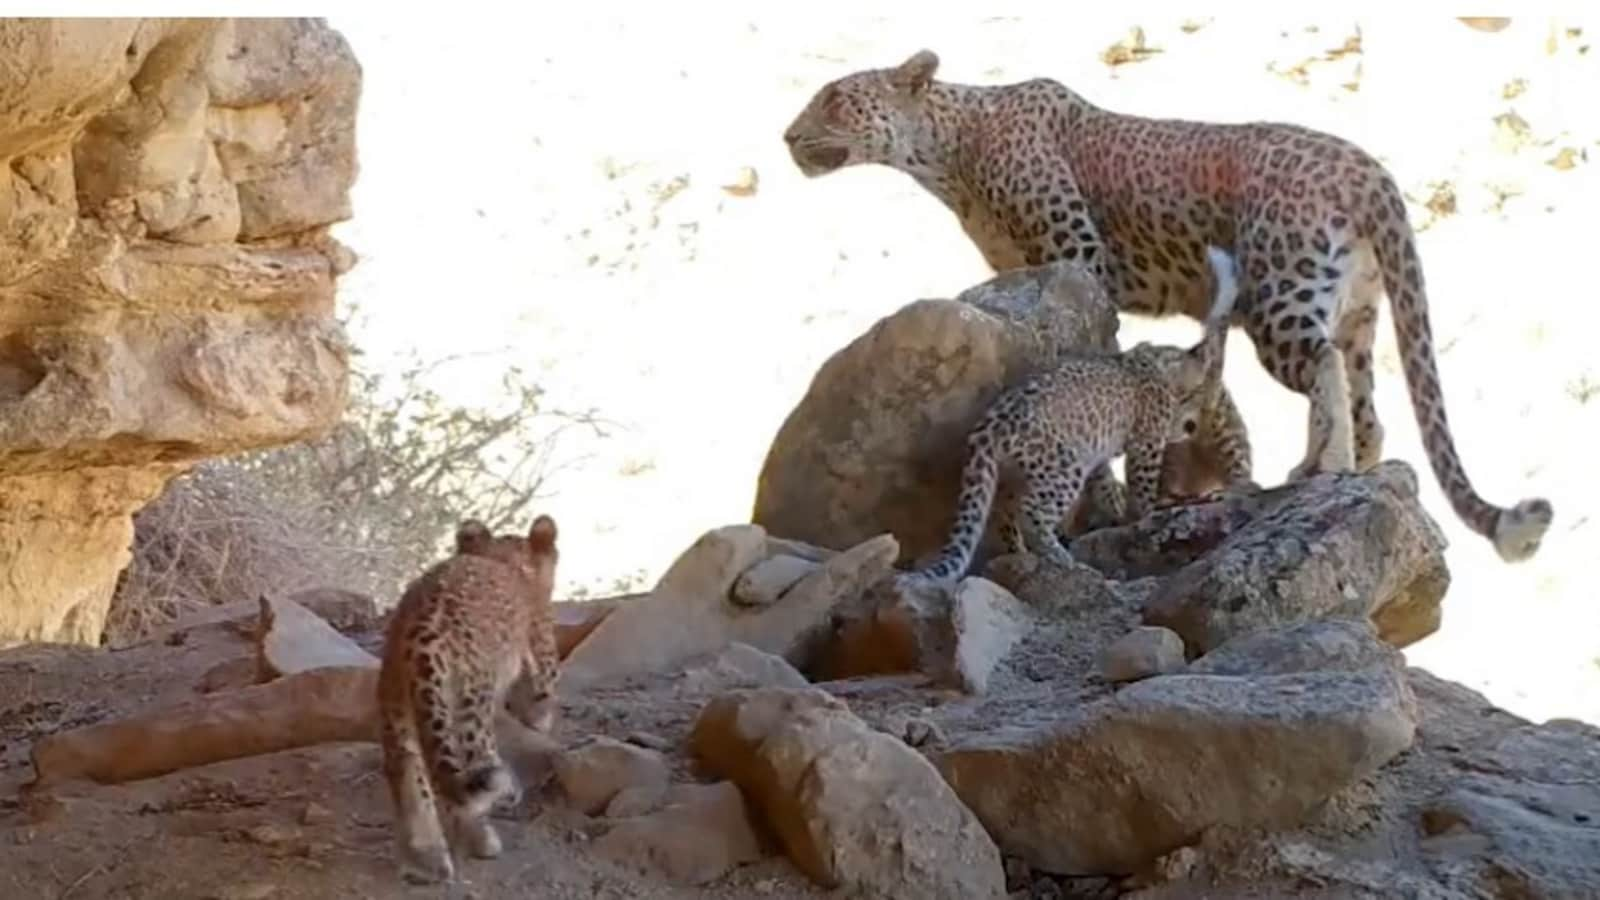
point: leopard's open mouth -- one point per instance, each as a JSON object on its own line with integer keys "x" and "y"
{"x": 819, "y": 159}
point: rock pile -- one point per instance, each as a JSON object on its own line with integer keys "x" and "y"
{"x": 1212, "y": 698}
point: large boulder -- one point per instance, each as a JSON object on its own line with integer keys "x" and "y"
{"x": 878, "y": 441}
{"x": 1109, "y": 788}
{"x": 166, "y": 274}
{"x": 852, "y": 806}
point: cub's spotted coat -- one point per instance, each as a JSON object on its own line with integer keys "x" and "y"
{"x": 1036, "y": 173}
{"x": 472, "y": 634}
{"x": 1059, "y": 430}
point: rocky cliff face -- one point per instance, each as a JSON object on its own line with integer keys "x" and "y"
{"x": 166, "y": 277}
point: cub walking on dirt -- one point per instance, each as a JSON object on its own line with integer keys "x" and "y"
{"x": 471, "y": 632}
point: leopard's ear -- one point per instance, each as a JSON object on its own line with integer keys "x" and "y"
{"x": 542, "y": 536}
{"x": 472, "y": 536}
{"x": 916, "y": 73}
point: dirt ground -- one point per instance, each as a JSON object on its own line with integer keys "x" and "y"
{"x": 311, "y": 824}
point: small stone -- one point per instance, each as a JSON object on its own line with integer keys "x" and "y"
{"x": 740, "y": 666}
{"x": 638, "y": 800}
{"x": 955, "y": 636}
{"x": 701, "y": 832}
{"x": 745, "y": 182}
{"x": 593, "y": 774}
{"x": 255, "y": 890}
{"x": 652, "y": 741}
{"x": 272, "y": 834}
{"x": 229, "y": 675}
{"x": 1141, "y": 653}
{"x": 315, "y": 814}
{"x": 765, "y": 582}
{"x": 920, "y": 732}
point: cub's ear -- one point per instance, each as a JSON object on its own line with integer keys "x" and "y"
{"x": 916, "y": 73}
{"x": 542, "y": 536}
{"x": 472, "y": 536}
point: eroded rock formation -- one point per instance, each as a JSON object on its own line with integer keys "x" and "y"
{"x": 166, "y": 277}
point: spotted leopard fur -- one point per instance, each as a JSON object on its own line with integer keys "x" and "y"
{"x": 1060, "y": 430}
{"x": 1035, "y": 172}
{"x": 473, "y": 634}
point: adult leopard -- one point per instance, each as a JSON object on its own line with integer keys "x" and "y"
{"x": 1036, "y": 173}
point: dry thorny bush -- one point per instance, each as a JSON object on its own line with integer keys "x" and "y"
{"x": 366, "y": 507}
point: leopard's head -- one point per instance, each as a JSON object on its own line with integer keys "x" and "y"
{"x": 871, "y": 116}
{"x": 534, "y": 554}
{"x": 1182, "y": 382}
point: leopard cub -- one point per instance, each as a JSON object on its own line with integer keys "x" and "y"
{"x": 471, "y": 635}
{"x": 1059, "y": 430}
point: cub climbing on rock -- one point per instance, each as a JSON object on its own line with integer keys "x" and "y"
{"x": 1062, "y": 427}
{"x": 471, "y": 633}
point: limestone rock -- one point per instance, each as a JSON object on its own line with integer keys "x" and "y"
{"x": 691, "y": 613}
{"x": 576, "y": 620}
{"x": 1531, "y": 828}
{"x": 955, "y": 636}
{"x": 763, "y": 583}
{"x": 1343, "y": 645}
{"x": 166, "y": 273}
{"x": 853, "y": 807}
{"x": 1051, "y": 588}
{"x": 1337, "y": 546}
{"x": 878, "y": 441}
{"x": 987, "y": 622}
{"x": 639, "y": 800}
{"x": 593, "y": 774}
{"x": 1108, "y": 788}
{"x": 1142, "y": 653}
{"x": 345, "y": 610}
{"x": 741, "y": 666}
{"x": 293, "y": 639}
{"x": 699, "y": 834}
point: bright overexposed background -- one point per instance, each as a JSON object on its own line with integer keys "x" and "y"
{"x": 548, "y": 191}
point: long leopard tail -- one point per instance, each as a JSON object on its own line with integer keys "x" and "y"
{"x": 1515, "y": 532}
{"x": 979, "y": 481}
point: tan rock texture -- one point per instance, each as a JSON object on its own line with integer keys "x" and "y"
{"x": 854, "y": 808}
{"x": 692, "y": 612}
{"x": 166, "y": 276}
